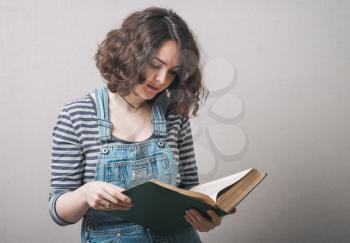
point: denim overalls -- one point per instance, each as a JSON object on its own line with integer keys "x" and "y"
{"x": 127, "y": 165}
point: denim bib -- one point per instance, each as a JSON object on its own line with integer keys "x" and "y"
{"x": 127, "y": 165}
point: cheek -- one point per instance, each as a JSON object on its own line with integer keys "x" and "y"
{"x": 149, "y": 74}
{"x": 138, "y": 88}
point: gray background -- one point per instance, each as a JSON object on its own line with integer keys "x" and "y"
{"x": 292, "y": 60}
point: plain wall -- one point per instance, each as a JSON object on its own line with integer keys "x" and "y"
{"x": 287, "y": 66}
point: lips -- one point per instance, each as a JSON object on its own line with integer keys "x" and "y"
{"x": 152, "y": 87}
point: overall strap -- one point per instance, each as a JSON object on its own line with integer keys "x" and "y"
{"x": 158, "y": 120}
{"x": 102, "y": 108}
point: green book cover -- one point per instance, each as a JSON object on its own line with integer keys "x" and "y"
{"x": 161, "y": 209}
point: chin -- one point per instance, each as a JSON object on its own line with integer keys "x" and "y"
{"x": 148, "y": 95}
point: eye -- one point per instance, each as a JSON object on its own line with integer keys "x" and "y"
{"x": 174, "y": 73}
{"x": 154, "y": 65}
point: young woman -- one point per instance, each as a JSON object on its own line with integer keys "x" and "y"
{"x": 134, "y": 129}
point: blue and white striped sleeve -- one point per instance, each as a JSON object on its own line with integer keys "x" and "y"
{"x": 67, "y": 162}
{"x": 187, "y": 162}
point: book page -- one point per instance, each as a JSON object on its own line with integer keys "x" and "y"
{"x": 212, "y": 188}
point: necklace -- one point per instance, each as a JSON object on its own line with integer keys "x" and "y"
{"x": 132, "y": 106}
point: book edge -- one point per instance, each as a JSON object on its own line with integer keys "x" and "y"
{"x": 196, "y": 195}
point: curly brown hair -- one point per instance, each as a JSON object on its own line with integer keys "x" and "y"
{"x": 124, "y": 54}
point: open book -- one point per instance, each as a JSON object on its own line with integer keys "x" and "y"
{"x": 161, "y": 207}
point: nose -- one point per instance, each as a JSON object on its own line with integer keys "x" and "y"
{"x": 162, "y": 76}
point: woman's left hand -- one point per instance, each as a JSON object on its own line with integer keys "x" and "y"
{"x": 201, "y": 223}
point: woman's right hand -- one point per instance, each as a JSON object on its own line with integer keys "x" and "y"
{"x": 105, "y": 196}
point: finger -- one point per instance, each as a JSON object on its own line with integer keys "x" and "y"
{"x": 214, "y": 217}
{"x": 200, "y": 222}
{"x": 192, "y": 222}
{"x": 102, "y": 203}
{"x": 108, "y": 201}
{"x": 116, "y": 192}
{"x": 117, "y": 207}
{"x": 189, "y": 221}
{"x": 110, "y": 197}
{"x": 208, "y": 224}
{"x": 116, "y": 201}
{"x": 102, "y": 200}
{"x": 116, "y": 187}
{"x": 232, "y": 211}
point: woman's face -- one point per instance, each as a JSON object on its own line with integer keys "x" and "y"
{"x": 160, "y": 72}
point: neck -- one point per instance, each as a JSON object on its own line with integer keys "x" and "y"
{"x": 130, "y": 101}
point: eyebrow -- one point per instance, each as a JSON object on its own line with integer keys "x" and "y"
{"x": 165, "y": 62}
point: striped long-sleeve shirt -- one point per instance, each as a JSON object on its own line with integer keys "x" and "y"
{"x": 76, "y": 146}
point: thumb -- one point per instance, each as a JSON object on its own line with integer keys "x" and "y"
{"x": 232, "y": 211}
{"x": 117, "y": 187}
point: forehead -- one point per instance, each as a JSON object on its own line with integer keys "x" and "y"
{"x": 170, "y": 53}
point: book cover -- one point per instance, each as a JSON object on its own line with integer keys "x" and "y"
{"x": 161, "y": 207}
